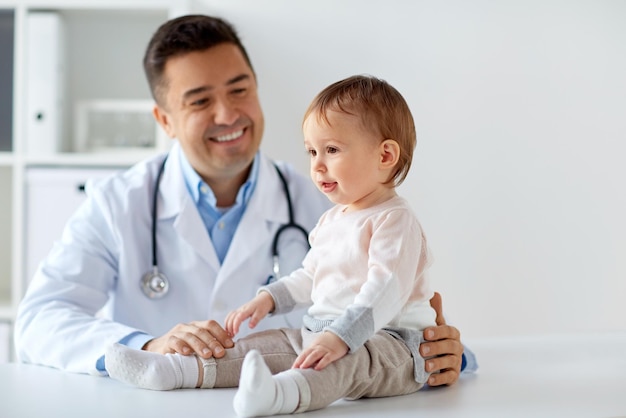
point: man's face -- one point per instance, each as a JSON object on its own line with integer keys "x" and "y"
{"x": 211, "y": 106}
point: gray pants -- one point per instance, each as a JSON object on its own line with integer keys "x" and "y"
{"x": 382, "y": 367}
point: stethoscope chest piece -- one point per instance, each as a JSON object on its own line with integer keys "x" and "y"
{"x": 154, "y": 284}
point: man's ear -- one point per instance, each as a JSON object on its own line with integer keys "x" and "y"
{"x": 163, "y": 119}
{"x": 389, "y": 154}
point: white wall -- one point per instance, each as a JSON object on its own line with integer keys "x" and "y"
{"x": 519, "y": 178}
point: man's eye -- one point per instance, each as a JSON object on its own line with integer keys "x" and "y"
{"x": 200, "y": 102}
{"x": 240, "y": 91}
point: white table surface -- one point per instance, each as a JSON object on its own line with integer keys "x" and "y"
{"x": 549, "y": 376}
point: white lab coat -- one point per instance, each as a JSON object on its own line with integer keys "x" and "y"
{"x": 86, "y": 294}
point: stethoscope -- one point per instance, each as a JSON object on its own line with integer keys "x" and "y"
{"x": 155, "y": 284}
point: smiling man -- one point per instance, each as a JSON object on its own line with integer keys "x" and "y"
{"x": 215, "y": 113}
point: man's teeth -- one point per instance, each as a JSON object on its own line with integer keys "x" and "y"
{"x": 229, "y": 137}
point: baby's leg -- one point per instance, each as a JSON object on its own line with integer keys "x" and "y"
{"x": 278, "y": 348}
{"x": 173, "y": 371}
{"x": 383, "y": 367}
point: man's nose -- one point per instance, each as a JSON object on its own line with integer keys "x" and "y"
{"x": 225, "y": 113}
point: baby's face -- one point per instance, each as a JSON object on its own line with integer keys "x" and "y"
{"x": 345, "y": 159}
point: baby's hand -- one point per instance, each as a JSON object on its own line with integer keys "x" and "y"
{"x": 325, "y": 349}
{"x": 256, "y": 310}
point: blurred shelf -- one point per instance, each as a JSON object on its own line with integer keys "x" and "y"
{"x": 119, "y": 158}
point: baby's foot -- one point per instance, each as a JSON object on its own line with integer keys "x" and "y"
{"x": 149, "y": 370}
{"x": 260, "y": 393}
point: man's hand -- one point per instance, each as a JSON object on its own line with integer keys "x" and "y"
{"x": 204, "y": 338}
{"x": 324, "y": 349}
{"x": 256, "y": 310}
{"x": 444, "y": 345}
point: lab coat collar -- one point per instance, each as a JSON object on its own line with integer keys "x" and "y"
{"x": 175, "y": 202}
{"x": 173, "y": 194}
{"x": 267, "y": 207}
{"x": 268, "y": 198}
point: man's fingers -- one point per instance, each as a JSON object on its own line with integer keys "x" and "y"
{"x": 437, "y": 364}
{"x": 204, "y": 338}
{"x": 193, "y": 341}
{"x": 443, "y": 352}
{"x": 448, "y": 377}
{"x": 437, "y": 305}
{"x": 441, "y": 348}
{"x": 179, "y": 343}
{"x": 442, "y": 332}
{"x": 216, "y": 348}
{"x": 220, "y": 334}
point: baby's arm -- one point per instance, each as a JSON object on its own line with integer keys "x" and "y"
{"x": 256, "y": 309}
{"x": 325, "y": 348}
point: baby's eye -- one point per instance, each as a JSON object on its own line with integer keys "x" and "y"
{"x": 312, "y": 152}
{"x": 331, "y": 150}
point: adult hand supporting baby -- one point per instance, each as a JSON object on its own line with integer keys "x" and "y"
{"x": 444, "y": 346}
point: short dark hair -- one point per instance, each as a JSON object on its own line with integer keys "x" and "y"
{"x": 380, "y": 107}
{"x": 180, "y": 36}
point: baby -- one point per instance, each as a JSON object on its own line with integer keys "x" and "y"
{"x": 364, "y": 279}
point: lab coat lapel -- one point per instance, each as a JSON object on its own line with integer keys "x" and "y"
{"x": 256, "y": 225}
{"x": 175, "y": 202}
{"x": 190, "y": 227}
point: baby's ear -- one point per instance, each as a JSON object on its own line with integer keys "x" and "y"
{"x": 389, "y": 153}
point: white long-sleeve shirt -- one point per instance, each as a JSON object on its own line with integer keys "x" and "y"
{"x": 366, "y": 270}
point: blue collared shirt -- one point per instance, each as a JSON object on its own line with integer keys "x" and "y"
{"x": 221, "y": 223}
{"x": 468, "y": 361}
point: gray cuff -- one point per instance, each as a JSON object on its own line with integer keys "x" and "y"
{"x": 354, "y": 327}
{"x": 283, "y": 301}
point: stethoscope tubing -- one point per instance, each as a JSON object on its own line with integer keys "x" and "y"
{"x": 291, "y": 223}
{"x": 155, "y": 197}
{"x": 155, "y": 284}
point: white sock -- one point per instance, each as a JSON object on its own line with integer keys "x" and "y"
{"x": 151, "y": 370}
{"x": 260, "y": 393}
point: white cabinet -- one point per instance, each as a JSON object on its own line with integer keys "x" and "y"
{"x": 5, "y": 341}
{"x": 52, "y": 196}
{"x": 6, "y": 253}
{"x": 89, "y": 82}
